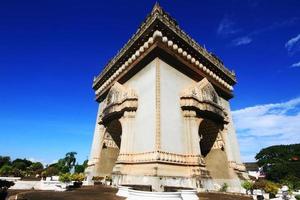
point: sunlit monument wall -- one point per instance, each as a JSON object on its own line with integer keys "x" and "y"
{"x": 164, "y": 116}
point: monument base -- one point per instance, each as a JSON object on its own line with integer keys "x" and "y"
{"x": 167, "y": 177}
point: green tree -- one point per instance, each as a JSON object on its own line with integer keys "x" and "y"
{"x": 6, "y": 170}
{"x": 79, "y": 168}
{"x": 36, "y": 166}
{"x": 70, "y": 159}
{"x": 4, "y": 160}
{"x": 280, "y": 161}
{"x": 21, "y": 164}
{"x": 50, "y": 171}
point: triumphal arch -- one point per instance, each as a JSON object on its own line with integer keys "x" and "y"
{"x": 164, "y": 115}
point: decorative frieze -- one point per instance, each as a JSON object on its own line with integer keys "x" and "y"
{"x": 161, "y": 156}
{"x": 236, "y": 166}
{"x": 202, "y": 97}
{"x": 179, "y": 50}
{"x": 119, "y": 99}
{"x": 108, "y": 142}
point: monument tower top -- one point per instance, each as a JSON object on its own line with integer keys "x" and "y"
{"x": 160, "y": 35}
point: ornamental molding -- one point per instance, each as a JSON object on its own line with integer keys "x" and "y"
{"x": 118, "y": 100}
{"x": 236, "y": 166}
{"x": 202, "y": 96}
{"x": 167, "y": 20}
{"x": 161, "y": 156}
{"x": 157, "y": 35}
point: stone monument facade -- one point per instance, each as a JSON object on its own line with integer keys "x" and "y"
{"x": 164, "y": 115}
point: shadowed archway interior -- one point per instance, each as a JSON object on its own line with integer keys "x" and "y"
{"x": 110, "y": 148}
{"x": 212, "y": 149}
{"x": 208, "y": 131}
{"x": 114, "y": 129}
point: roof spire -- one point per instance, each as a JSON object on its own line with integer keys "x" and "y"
{"x": 156, "y": 8}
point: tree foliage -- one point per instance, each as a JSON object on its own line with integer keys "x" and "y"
{"x": 280, "y": 162}
{"x": 4, "y": 160}
{"x": 23, "y": 167}
{"x": 19, "y": 167}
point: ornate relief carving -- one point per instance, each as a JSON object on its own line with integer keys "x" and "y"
{"x": 202, "y": 97}
{"x": 108, "y": 141}
{"x": 236, "y": 166}
{"x": 162, "y": 156}
{"x": 219, "y": 143}
{"x": 118, "y": 100}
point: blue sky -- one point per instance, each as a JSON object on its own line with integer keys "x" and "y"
{"x": 51, "y": 50}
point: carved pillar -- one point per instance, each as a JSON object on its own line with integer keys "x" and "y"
{"x": 191, "y": 126}
{"x": 97, "y": 140}
{"x": 227, "y": 141}
{"x": 127, "y": 121}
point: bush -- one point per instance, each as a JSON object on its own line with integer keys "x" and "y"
{"x": 248, "y": 186}
{"x": 50, "y": 171}
{"x": 292, "y": 182}
{"x": 65, "y": 178}
{"x": 267, "y": 186}
{"x": 224, "y": 187}
{"x": 77, "y": 177}
{"x": 297, "y": 197}
{"x": 271, "y": 188}
{"x": 4, "y": 185}
{"x": 259, "y": 184}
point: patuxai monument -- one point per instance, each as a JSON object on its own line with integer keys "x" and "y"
{"x": 164, "y": 117}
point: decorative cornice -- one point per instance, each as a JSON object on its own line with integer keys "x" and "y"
{"x": 203, "y": 97}
{"x": 161, "y": 156}
{"x": 119, "y": 99}
{"x": 161, "y": 15}
{"x": 236, "y": 166}
{"x": 177, "y": 49}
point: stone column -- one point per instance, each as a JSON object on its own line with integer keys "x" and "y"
{"x": 191, "y": 134}
{"x": 96, "y": 149}
{"x": 232, "y": 137}
{"x": 227, "y": 141}
{"x": 127, "y": 121}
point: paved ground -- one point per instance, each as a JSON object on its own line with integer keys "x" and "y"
{"x": 103, "y": 193}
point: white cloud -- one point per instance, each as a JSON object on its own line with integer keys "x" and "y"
{"x": 242, "y": 41}
{"x": 296, "y": 64}
{"x": 293, "y": 44}
{"x": 226, "y": 27}
{"x": 265, "y": 125}
{"x": 250, "y": 36}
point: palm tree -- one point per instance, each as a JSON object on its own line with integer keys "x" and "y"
{"x": 70, "y": 159}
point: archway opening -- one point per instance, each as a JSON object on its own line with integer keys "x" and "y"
{"x": 114, "y": 129}
{"x": 111, "y": 147}
{"x": 212, "y": 149}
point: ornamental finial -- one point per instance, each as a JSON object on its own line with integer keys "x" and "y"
{"x": 156, "y": 7}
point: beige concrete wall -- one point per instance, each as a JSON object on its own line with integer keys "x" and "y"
{"x": 172, "y": 82}
{"x": 144, "y": 84}
{"x": 232, "y": 137}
